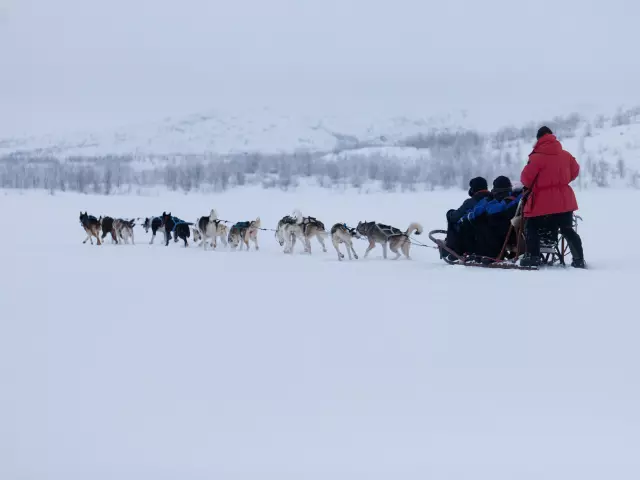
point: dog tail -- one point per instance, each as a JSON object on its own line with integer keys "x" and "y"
{"x": 257, "y": 223}
{"x": 213, "y": 215}
{"x": 414, "y": 227}
{"x": 297, "y": 215}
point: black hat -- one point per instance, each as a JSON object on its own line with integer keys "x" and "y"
{"x": 543, "y": 131}
{"x": 502, "y": 184}
{"x": 477, "y": 184}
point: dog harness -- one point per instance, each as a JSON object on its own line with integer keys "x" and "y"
{"x": 307, "y": 221}
{"x": 241, "y": 225}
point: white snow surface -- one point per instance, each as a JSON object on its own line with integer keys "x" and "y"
{"x": 152, "y": 362}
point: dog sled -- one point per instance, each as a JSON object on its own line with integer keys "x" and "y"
{"x": 554, "y": 248}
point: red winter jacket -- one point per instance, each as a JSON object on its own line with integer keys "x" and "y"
{"x": 550, "y": 170}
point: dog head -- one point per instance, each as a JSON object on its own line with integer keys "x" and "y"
{"x": 353, "y": 231}
{"x": 197, "y": 236}
{"x": 297, "y": 215}
{"x": 362, "y": 228}
{"x": 87, "y": 220}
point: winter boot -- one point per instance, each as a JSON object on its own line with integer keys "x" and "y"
{"x": 578, "y": 263}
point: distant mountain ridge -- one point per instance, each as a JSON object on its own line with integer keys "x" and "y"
{"x": 214, "y": 152}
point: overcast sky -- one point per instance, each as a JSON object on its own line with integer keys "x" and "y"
{"x": 86, "y": 64}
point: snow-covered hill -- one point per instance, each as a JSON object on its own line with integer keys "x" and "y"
{"x": 220, "y": 150}
{"x": 222, "y": 132}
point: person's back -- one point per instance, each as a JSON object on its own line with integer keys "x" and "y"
{"x": 551, "y": 200}
{"x": 547, "y": 175}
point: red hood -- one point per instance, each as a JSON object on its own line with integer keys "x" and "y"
{"x": 547, "y": 145}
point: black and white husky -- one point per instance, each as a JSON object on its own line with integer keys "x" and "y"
{"x": 341, "y": 233}
{"x": 155, "y": 225}
{"x": 107, "y": 229}
{"x": 289, "y": 230}
{"x": 211, "y": 227}
{"x": 385, "y": 235}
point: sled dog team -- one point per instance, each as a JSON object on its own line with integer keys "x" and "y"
{"x": 290, "y": 229}
{"x": 118, "y": 228}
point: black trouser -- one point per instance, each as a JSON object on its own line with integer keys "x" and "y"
{"x": 460, "y": 238}
{"x": 490, "y": 236}
{"x": 553, "y": 222}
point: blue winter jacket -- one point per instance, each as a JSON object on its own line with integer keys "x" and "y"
{"x": 490, "y": 207}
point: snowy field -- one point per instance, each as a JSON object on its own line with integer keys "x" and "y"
{"x": 151, "y": 362}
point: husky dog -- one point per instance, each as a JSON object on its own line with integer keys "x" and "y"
{"x": 178, "y": 227}
{"x": 242, "y": 232}
{"x": 155, "y": 225}
{"x": 197, "y": 236}
{"x": 91, "y": 226}
{"x": 289, "y": 229}
{"x": 211, "y": 227}
{"x": 124, "y": 229}
{"x": 107, "y": 228}
{"x": 312, "y": 227}
{"x": 222, "y": 232}
{"x": 384, "y": 234}
{"x": 340, "y": 233}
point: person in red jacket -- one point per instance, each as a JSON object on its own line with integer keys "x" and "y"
{"x": 551, "y": 201}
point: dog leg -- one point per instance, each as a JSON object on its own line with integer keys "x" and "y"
{"x": 336, "y": 245}
{"x": 405, "y": 249}
{"x": 384, "y": 250}
{"x": 394, "y": 248}
{"x": 371, "y": 246}
{"x": 321, "y": 240}
{"x": 354, "y": 251}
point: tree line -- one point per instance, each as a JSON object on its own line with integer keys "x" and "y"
{"x": 439, "y": 159}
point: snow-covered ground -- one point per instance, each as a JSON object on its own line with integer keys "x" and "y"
{"x": 152, "y": 362}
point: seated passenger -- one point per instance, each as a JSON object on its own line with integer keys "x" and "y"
{"x": 460, "y": 235}
{"x": 491, "y": 218}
